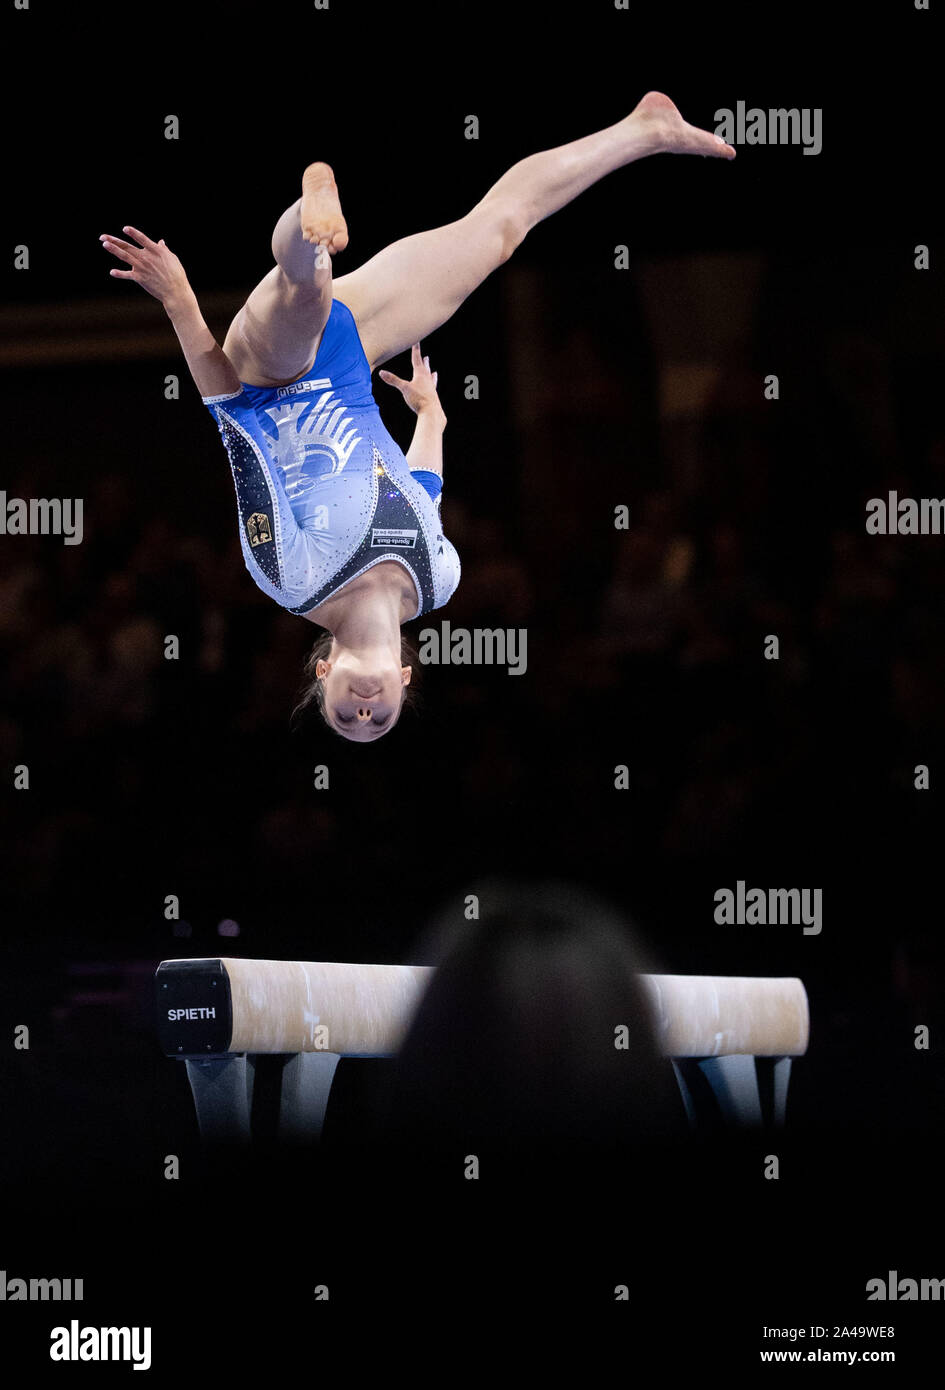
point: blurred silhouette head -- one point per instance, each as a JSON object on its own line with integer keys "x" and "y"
{"x": 515, "y": 1043}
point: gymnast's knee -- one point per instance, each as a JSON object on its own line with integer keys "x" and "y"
{"x": 509, "y": 224}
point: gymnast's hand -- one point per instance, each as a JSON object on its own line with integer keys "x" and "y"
{"x": 420, "y": 391}
{"x": 153, "y": 266}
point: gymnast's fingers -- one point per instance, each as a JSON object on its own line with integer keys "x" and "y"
{"x": 120, "y": 250}
{"x": 122, "y": 274}
{"x": 145, "y": 241}
{"x": 117, "y": 241}
{"x": 391, "y": 379}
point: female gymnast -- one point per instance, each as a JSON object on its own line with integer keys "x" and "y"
{"x": 336, "y": 523}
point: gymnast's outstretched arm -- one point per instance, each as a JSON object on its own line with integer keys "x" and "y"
{"x": 159, "y": 271}
{"x": 287, "y": 570}
{"x": 426, "y": 450}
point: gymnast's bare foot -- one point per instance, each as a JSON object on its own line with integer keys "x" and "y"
{"x": 322, "y": 222}
{"x": 659, "y": 118}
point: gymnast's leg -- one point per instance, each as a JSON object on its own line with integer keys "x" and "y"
{"x": 413, "y": 286}
{"x": 274, "y": 337}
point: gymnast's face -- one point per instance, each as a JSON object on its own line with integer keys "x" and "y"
{"x": 363, "y": 692}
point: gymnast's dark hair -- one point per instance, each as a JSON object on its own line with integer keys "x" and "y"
{"x": 313, "y": 689}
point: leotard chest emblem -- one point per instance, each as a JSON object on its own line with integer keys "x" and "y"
{"x": 314, "y": 439}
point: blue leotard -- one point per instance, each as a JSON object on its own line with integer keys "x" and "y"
{"x": 324, "y": 493}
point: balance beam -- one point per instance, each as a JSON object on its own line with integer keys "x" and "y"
{"x": 216, "y": 1010}
{"x": 259, "y": 1006}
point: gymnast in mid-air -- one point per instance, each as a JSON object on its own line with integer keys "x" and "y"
{"x": 337, "y": 524}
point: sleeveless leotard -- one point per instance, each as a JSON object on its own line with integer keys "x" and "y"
{"x": 324, "y": 493}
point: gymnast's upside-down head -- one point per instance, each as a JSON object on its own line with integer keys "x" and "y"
{"x": 359, "y": 693}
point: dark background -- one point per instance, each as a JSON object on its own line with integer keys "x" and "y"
{"x": 598, "y": 387}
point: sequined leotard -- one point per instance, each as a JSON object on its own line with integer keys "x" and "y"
{"x": 324, "y": 492}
